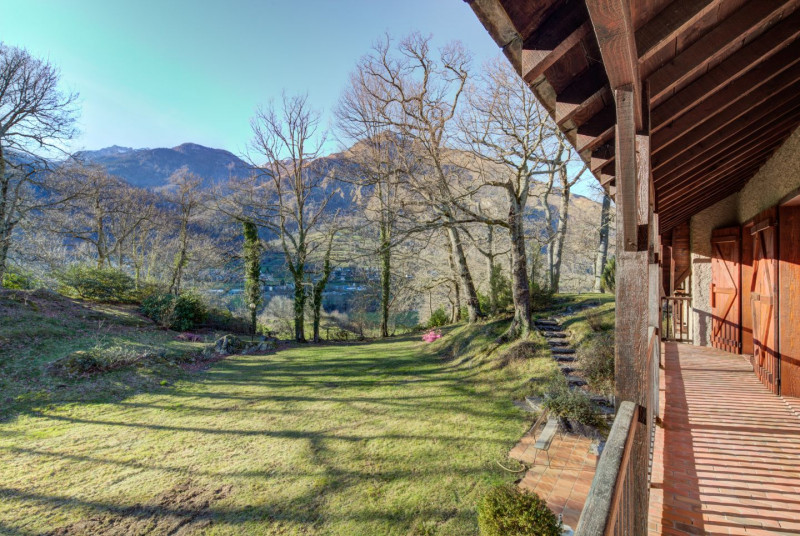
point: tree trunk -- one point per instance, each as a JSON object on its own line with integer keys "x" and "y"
{"x": 5, "y": 228}
{"x": 561, "y": 235}
{"x": 520, "y": 286}
{"x": 319, "y": 288}
{"x": 455, "y": 303}
{"x": 473, "y": 306}
{"x": 602, "y": 246}
{"x": 252, "y": 270}
{"x": 299, "y": 307}
{"x": 386, "y": 278}
{"x": 180, "y": 261}
{"x": 490, "y": 266}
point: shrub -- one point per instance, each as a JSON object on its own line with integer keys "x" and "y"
{"x": 609, "y": 276}
{"x": 432, "y": 335}
{"x": 438, "y": 318}
{"x": 600, "y": 320}
{"x": 97, "y": 284}
{"x": 541, "y": 297}
{"x": 570, "y": 404}
{"x": 17, "y": 279}
{"x": 596, "y": 360}
{"x": 224, "y": 320}
{"x": 509, "y": 511}
{"x": 98, "y": 359}
{"x": 180, "y": 313}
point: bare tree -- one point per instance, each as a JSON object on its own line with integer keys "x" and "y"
{"x": 507, "y": 131}
{"x": 377, "y": 175}
{"x": 289, "y": 195}
{"x": 416, "y": 94}
{"x": 183, "y": 192}
{"x": 35, "y": 118}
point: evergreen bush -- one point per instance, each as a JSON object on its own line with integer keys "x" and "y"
{"x": 509, "y": 511}
{"x": 181, "y": 313}
{"x": 438, "y": 318}
{"x": 101, "y": 284}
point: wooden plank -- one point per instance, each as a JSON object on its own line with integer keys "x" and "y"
{"x": 616, "y": 38}
{"x": 733, "y": 141}
{"x": 552, "y": 41}
{"x": 669, "y": 23}
{"x": 598, "y": 511}
{"x": 715, "y": 168}
{"x": 775, "y": 96}
{"x": 588, "y": 87}
{"x": 759, "y": 50}
{"x": 789, "y": 299}
{"x": 726, "y": 304}
{"x": 747, "y": 280}
{"x": 722, "y": 41}
{"x": 626, "y": 171}
{"x": 703, "y": 123}
{"x": 708, "y": 168}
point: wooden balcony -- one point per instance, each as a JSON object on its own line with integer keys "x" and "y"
{"x": 725, "y": 461}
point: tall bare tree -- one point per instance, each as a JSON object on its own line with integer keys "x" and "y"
{"x": 601, "y": 255}
{"x": 416, "y": 93}
{"x": 183, "y": 192}
{"x": 507, "y": 131}
{"x": 35, "y": 119}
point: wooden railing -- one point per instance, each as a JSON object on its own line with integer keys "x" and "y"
{"x": 675, "y": 316}
{"x": 611, "y": 507}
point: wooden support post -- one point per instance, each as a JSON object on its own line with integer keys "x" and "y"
{"x": 633, "y": 311}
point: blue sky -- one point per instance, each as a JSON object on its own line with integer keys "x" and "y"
{"x": 160, "y": 73}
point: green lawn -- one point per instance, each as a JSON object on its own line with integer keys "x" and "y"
{"x": 397, "y": 437}
{"x": 380, "y": 438}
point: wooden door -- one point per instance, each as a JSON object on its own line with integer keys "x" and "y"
{"x": 764, "y": 301}
{"x": 747, "y": 283}
{"x": 789, "y": 299}
{"x": 725, "y": 289}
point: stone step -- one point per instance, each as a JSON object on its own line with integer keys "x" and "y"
{"x": 562, "y": 350}
{"x": 545, "y": 322}
{"x": 575, "y": 380}
{"x": 564, "y": 358}
{"x": 549, "y": 328}
{"x": 567, "y": 370}
{"x": 556, "y": 335}
{"x": 558, "y": 342}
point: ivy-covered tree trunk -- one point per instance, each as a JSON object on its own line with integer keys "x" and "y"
{"x": 252, "y": 270}
{"x": 386, "y": 278}
{"x": 318, "y": 288}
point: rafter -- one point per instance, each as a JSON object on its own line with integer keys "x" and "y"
{"x": 669, "y": 23}
{"x": 779, "y": 36}
{"x": 615, "y": 36}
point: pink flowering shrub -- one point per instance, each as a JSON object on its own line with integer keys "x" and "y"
{"x": 432, "y": 335}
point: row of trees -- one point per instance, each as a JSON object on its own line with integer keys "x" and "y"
{"x": 442, "y": 166}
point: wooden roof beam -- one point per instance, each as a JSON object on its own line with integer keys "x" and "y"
{"x": 769, "y": 43}
{"x": 700, "y": 203}
{"x": 730, "y": 143}
{"x": 667, "y": 25}
{"x": 597, "y": 130}
{"x": 711, "y": 172}
{"x": 751, "y": 83}
{"x": 770, "y": 99}
{"x": 720, "y": 42}
{"x": 588, "y": 91}
{"x": 563, "y": 29}
{"x": 613, "y": 27}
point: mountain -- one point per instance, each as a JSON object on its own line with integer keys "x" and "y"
{"x": 150, "y": 168}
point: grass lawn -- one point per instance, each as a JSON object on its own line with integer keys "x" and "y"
{"x": 397, "y": 437}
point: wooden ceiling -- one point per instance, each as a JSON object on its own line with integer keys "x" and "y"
{"x": 722, "y": 78}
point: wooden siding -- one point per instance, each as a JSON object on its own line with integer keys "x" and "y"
{"x": 789, "y": 292}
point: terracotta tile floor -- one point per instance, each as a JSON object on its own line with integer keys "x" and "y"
{"x": 727, "y": 460}
{"x": 562, "y": 475}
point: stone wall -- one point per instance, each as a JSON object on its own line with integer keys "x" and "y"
{"x": 777, "y": 178}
